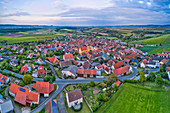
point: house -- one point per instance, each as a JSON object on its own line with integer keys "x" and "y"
{"x": 166, "y": 52}
{"x": 6, "y": 107}
{"x": 157, "y": 59}
{"x": 110, "y": 63}
{"x": 23, "y": 95}
{"x": 168, "y": 71}
{"x": 86, "y": 73}
{"x": 35, "y": 73}
{"x": 70, "y": 71}
{"x": 14, "y": 62}
{"x": 52, "y": 60}
{"x": 162, "y": 55}
{"x": 51, "y": 106}
{"x": 43, "y": 88}
{"x": 86, "y": 65}
{"x": 74, "y": 98}
{"x": 99, "y": 67}
{"x": 106, "y": 69}
{"x": 68, "y": 57}
{"x": 117, "y": 83}
{"x": 117, "y": 65}
{"x": 123, "y": 70}
{"x": 84, "y": 49}
{"x": 127, "y": 60}
{"x": 143, "y": 63}
{"x": 30, "y": 55}
{"x": 164, "y": 61}
{"x": 151, "y": 64}
{"x": 134, "y": 61}
{"x": 24, "y": 69}
{"x": 41, "y": 70}
{"x": 3, "y": 80}
{"x": 65, "y": 63}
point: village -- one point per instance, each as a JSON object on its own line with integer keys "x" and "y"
{"x": 81, "y": 72}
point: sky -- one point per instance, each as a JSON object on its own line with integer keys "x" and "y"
{"x": 85, "y": 12}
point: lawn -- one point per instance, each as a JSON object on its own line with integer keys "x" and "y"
{"x": 147, "y": 48}
{"x": 134, "y": 98}
{"x": 159, "y": 50}
{"x": 85, "y": 109}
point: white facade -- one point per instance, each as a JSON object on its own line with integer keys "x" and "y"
{"x": 70, "y": 104}
{"x": 142, "y": 65}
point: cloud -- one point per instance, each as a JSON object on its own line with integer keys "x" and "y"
{"x": 141, "y": 2}
{"x": 16, "y": 14}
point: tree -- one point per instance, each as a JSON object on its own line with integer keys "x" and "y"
{"x": 53, "y": 78}
{"x": 164, "y": 67}
{"x": 115, "y": 87}
{"x": 22, "y": 84}
{"x": 47, "y": 78}
{"x": 147, "y": 71}
{"x": 112, "y": 77}
{"x": 92, "y": 83}
{"x": 161, "y": 69}
{"x": 151, "y": 76}
{"x": 159, "y": 80}
{"x": 142, "y": 76}
{"x": 27, "y": 79}
{"x": 100, "y": 97}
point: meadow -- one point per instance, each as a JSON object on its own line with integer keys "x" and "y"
{"x": 135, "y": 98}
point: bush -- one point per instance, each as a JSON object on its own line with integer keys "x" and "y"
{"x": 92, "y": 83}
{"x": 95, "y": 106}
{"x": 130, "y": 81}
{"x": 22, "y": 84}
{"x": 81, "y": 106}
{"x": 166, "y": 82}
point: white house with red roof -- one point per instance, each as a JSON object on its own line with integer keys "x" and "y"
{"x": 3, "y": 80}
{"x": 74, "y": 98}
{"x": 168, "y": 71}
{"x": 68, "y": 57}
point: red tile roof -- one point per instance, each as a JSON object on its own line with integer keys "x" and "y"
{"x": 118, "y": 64}
{"x": 44, "y": 87}
{"x": 87, "y": 71}
{"x": 121, "y": 70}
{"x": 3, "y": 78}
{"x": 74, "y": 95}
{"x": 33, "y": 96}
{"x": 67, "y": 56}
{"x": 24, "y": 69}
{"x": 41, "y": 70}
{"x": 118, "y": 83}
{"x": 53, "y": 59}
{"x": 21, "y": 97}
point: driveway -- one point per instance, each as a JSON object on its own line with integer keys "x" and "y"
{"x": 61, "y": 104}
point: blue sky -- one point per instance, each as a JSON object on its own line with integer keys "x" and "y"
{"x": 85, "y": 12}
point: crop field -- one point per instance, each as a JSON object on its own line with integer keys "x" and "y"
{"x": 28, "y": 38}
{"x": 111, "y": 38}
{"x": 156, "y": 40}
{"x": 134, "y": 98}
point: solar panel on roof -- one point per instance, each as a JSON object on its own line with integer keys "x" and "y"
{"x": 2, "y": 78}
{"x": 21, "y": 89}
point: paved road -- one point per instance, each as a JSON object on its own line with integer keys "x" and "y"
{"x": 15, "y": 108}
{"x": 21, "y": 76}
{"x": 51, "y": 66}
{"x": 41, "y": 106}
{"x": 61, "y": 104}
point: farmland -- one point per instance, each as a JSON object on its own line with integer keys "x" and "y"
{"x": 134, "y": 98}
{"x": 156, "y": 40}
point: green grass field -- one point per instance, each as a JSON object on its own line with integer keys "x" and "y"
{"x": 111, "y": 38}
{"x": 156, "y": 40}
{"x": 28, "y": 38}
{"x": 134, "y": 98}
